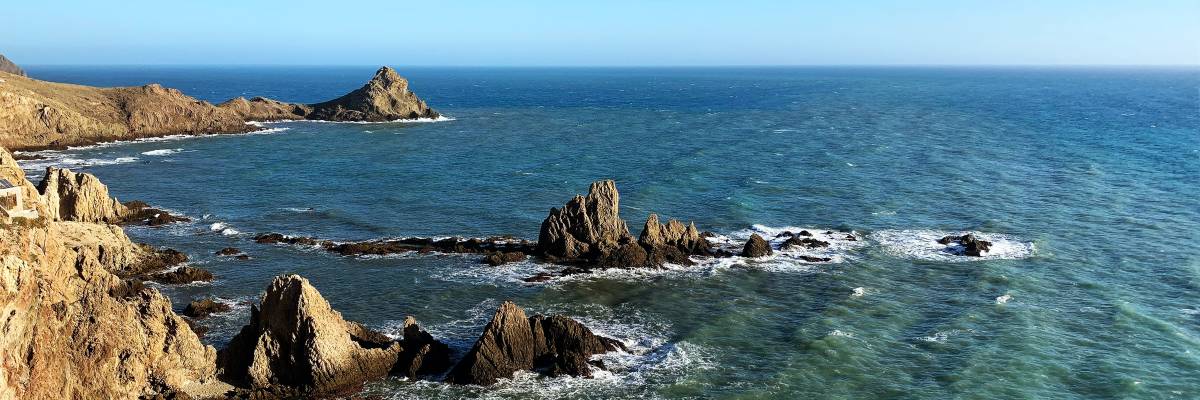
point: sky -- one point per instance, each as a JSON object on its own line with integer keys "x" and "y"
{"x": 602, "y": 33}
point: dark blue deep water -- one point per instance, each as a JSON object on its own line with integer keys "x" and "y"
{"x": 1088, "y": 179}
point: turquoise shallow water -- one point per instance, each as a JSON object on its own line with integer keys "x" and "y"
{"x": 1086, "y": 175}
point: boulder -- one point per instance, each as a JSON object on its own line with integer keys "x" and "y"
{"x": 500, "y": 258}
{"x": 200, "y": 309}
{"x": 974, "y": 247}
{"x": 296, "y": 340}
{"x": 757, "y": 247}
{"x": 971, "y": 246}
{"x": 512, "y": 342}
{"x": 629, "y": 255}
{"x": 806, "y": 242}
{"x": 229, "y": 251}
{"x": 182, "y": 275}
{"x": 140, "y": 212}
{"x": 586, "y": 227}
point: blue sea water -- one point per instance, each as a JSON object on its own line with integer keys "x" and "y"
{"x": 1086, "y": 177}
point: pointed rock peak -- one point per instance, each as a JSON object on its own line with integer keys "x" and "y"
{"x": 586, "y": 226}
{"x": 296, "y": 339}
{"x": 388, "y": 77}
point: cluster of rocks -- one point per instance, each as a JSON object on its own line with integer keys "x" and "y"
{"x": 504, "y": 249}
{"x": 296, "y": 345}
{"x": 588, "y": 232}
{"x": 971, "y": 246}
{"x": 384, "y": 98}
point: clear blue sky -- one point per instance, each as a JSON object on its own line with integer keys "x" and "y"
{"x": 566, "y": 32}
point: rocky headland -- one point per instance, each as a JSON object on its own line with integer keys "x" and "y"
{"x": 36, "y": 115}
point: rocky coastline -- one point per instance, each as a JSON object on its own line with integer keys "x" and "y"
{"x": 82, "y": 323}
{"x": 39, "y": 115}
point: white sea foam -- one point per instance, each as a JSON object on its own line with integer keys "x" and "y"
{"x": 923, "y": 245}
{"x": 70, "y": 158}
{"x": 1003, "y": 299}
{"x": 440, "y": 118}
{"x": 840, "y": 248}
{"x": 858, "y": 292}
{"x": 299, "y": 209}
{"x": 223, "y": 228}
{"x": 67, "y": 161}
{"x": 161, "y": 152}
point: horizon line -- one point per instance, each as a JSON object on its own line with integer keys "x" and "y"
{"x": 897, "y": 65}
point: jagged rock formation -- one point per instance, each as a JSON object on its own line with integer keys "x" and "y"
{"x": 672, "y": 242}
{"x": 264, "y": 109}
{"x": 38, "y": 115}
{"x": 589, "y": 231}
{"x": 384, "y": 98}
{"x": 422, "y": 354}
{"x": 8, "y": 66}
{"x": 512, "y": 342}
{"x": 756, "y": 247}
{"x": 297, "y": 341}
{"x": 73, "y": 329}
{"x": 79, "y": 197}
{"x": 586, "y": 227}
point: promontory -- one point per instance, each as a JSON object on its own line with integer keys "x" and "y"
{"x": 37, "y": 114}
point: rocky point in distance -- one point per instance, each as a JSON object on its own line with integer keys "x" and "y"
{"x": 37, "y": 115}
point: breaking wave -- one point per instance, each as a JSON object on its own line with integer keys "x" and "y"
{"x": 923, "y": 245}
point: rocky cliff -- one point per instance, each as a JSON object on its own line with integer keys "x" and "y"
{"x": 74, "y": 329}
{"x": 8, "y": 66}
{"x": 38, "y": 115}
{"x": 79, "y": 197}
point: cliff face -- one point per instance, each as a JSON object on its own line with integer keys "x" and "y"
{"x": 8, "y": 66}
{"x": 72, "y": 328}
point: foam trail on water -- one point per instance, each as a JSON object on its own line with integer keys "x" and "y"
{"x": 923, "y": 245}
{"x": 161, "y": 152}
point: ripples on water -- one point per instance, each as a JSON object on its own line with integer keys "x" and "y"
{"x": 1083, "y": 179}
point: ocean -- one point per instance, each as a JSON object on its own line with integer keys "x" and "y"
{"x": 1086, "y": 178}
